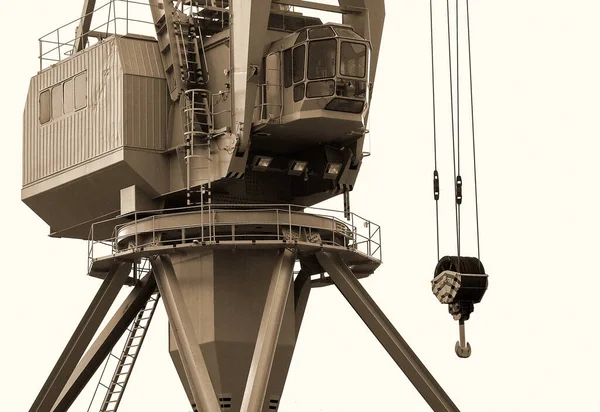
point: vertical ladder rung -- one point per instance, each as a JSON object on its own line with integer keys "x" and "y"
{"x": 126, "y": 362}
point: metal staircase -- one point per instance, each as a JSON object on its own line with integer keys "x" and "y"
{"x": 126, "y": 360}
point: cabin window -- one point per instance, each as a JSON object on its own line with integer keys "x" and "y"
{"x": 45, "y": 112}
{"x": 299, "y": 92}
{"x": 301, "y": 37}
{"x": 299, "y": 61}
{"x": 80, "y": 91}
{"x": 321, "y": 33}
{"x": 322, "y": 59}
{"x": 69, "y": 96}
{"x": 276, "y": 21}
{"x": 346, "y": 105}
{"x": 320, "y": 89}
{"x": 57, "y": 101}
{"x": 349, "y": 33}
{"x": 63, "y": 98}
{"x": 353, "y": 59}
{"x": 287, "y": 68}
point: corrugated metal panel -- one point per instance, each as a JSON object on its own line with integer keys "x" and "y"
{"x": 122, "y": 110}
{"x": 146, "y": 106}
{"x": 77, "y": 137}
{"x": 140, "y": 57}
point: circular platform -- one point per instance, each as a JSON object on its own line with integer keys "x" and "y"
{"x": 356, "y": 240}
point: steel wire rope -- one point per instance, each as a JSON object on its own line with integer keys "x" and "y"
{"x": 452, "y": 119}
{"x": 458, "y": 85}
{"x": 435, "y": 175}
{"x": 473, "y": 128}
{"x": 458, "y": 175}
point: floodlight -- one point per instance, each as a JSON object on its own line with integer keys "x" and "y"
{"x": 297, "y": 167}
{"x": 262, "y": 163}
{"x": 333, "y": 169}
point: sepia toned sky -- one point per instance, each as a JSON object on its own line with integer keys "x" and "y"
{"x": 535, "y": 336}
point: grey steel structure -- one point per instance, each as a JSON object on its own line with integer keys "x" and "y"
{"x": 201, "y": 151}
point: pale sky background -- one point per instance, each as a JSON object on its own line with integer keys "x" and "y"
{"x": 535, "y": 336}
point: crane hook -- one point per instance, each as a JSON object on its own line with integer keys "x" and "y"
{"x": 462, "y": 348}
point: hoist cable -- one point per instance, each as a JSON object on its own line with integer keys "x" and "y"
{"x": 458, "y": 87}
{"x": 435, "y": 176}
{"x": 433, "y": 84}
{"x": 458, "y": 176}
{"x": 473, "y": 129}
{"x": 452, "y": 117}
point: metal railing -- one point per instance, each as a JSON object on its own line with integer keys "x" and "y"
{"x": 215, "y": 4}
{"x": 264, "y": 106}
{"x": 356, "y": 233}
{"x": 215, "y": 100}
{"x": 197, "y": 106}
{"x": 114, "y": 17}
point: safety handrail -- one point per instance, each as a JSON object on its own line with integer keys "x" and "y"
{"x": 264, "y": 104}
{"x": 350, "y": 235}
{"x": 51, "y": 45}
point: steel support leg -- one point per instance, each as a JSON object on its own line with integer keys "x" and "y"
{"x": 81, "y": 338}
{"x": 107, "y": 339}
{"x": 268, "y": 333}
{"x": 192, "y": 359}
{"x": 385, "y": 332}
{"x": 302, "y": 288}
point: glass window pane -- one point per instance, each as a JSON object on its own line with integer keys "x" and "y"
{"x": 299, "y": 92}
{"x": 299, "y": 60}
{"x": 287, "y": 68}
{"x": 45, "y": 113}
{"x": 81, "y": 91}
{"x": 57, "y": 101}
{"x": 321, "y": 59}
{"x": 345, "y": 105}
{"x": 353, "y": 59}
{"x": 312, "y": 21}
{"x": 301, "y": 37}
{"x": 321, "y": 33}
{"x": 320, "y": 89}
{"x": 349, "y": 33}
{"x": 294, "y": 23}
{"x": 352, "y": 88}
{"x": 69, "y": 96}
{"x": 276, "y": 21}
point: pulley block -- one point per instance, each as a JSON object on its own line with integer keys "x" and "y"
{"x": 460, "y": 282}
